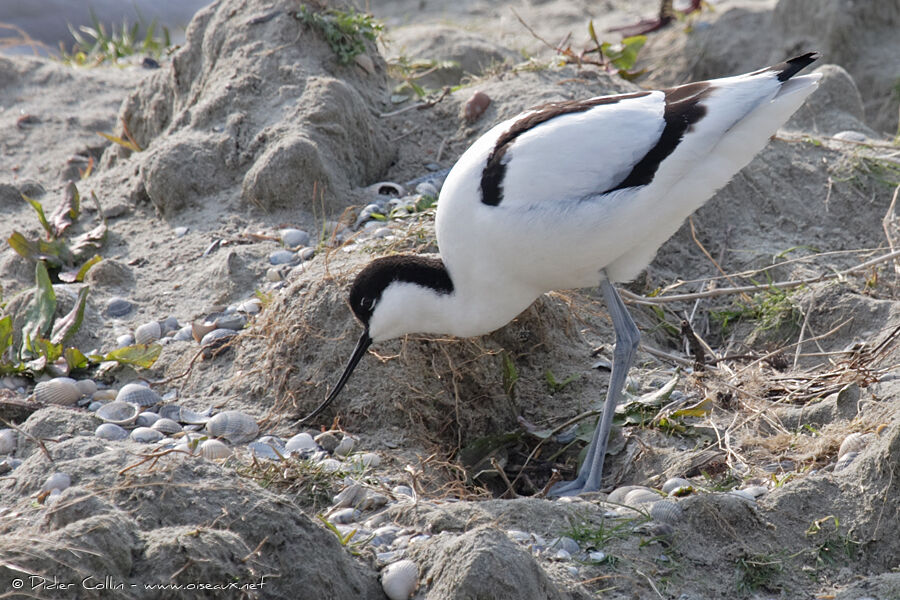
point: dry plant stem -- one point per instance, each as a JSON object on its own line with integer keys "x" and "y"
{"x": 510, "y": 492}
{"x": 637, "y": 299}
{"x": 650, "y": 581}
{"x": 889, "y": 223}
{"x": 37, "y": 441}
{"x": 153, "y": 456}
{"x": 181, "y": 375}
{"x": 711, "y": 259}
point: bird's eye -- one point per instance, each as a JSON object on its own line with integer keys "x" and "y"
{"x": 367, "y": 303}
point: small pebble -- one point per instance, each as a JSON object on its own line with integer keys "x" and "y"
{"x": 567, "y": 544}
{"x": 427, "y": 189}
{"x": 292, "y": 238}
{"x": 301, "y": 441}
{"x": 126, "y": 339}
{"x": 57, "y": 481}
{"x": 345, "y": 515}
{"x": 147, "y": 419}
{"x": 475, "y": 106}
{"x": 233, "y": 321}
{"x": 402, "y": 490}
{"x": 562, "y": 555}
{"x": 330, "y": 465}
{"x": 597, "y": 556}
{"x": 181, "y": 231}
{"x": 282, "y": 257}
{"x": 306, "y": 253}
{"x": 327, "y": 440}
{"x": 250, "y": 307}
{"x": 183, "y": 334}
{"x": 345, "y": 446}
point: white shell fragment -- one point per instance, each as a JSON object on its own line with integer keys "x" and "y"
{"x": 675, "y": 483}
{"x": 147, "y": 333}
{"x": 60, "y": 390}
{"x": 640, "y": 496}
{"x": 214, "y": 450}
{"x": 301, "y": 441}
{"x": 8, "y": 441}
{"x": 120, "y": 413}
{"x": 400, "y": 579}
{"x": 57, "y": 481}
{"x": 136, "y": 393}
{"x": 146, "y": 435}
{"x": 845, "y": 460}
{"x": 234, "y": 426}
{"x": 110, "y": 431}
{"x": 855, "y": 442}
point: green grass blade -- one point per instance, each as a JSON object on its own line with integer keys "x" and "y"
{"x": 39, "y": 209}
{"x": 67, "y": 326}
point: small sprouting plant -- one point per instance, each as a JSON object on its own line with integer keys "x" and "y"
{"x": 510, "y": 375}
{"x": 94, "y": 46}
{"x": 598, "y": 535}
{"x": 770, "y": 309}
{"x": 408, "y": 71}
{"x": 618, "y": 58}
{"x": 346, "y": 540}
{"x": 758, "y": 571}
{"x": 555, "y": 385}
{"x": 345, "y": 32}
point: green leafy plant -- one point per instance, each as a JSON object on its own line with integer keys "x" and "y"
{"x": 410, "y": 70}
{"x": 620, "y": 57}
{"x": 345, "y": 32}
{"x": 758, "y": 571}
{"x": 510, "y": 375}
{"x": 772, "y": 308}
{"x": 94, "y": 46}
{"x": 67, "y": 260}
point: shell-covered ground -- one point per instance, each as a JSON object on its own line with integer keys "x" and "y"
{"x": 779, "y": 454}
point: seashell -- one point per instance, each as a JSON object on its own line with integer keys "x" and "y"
{"x": 9, "y": 439}
{"x": 844, "y": 461}
{"x": 382, "y": 559}
{"x": 306, "y": 253}
{"x": 666, "y": 511}
{"x": 94, "y": 406}
{"x": 87, "y": 387}
{"x": 57, "y": 481}
{"x": 110, "y": 431}
{"x": 330, "y": 465}
{"x": 402, "y": 490}
{"x": 370, "y": 459}
{"x": 400, "y": 579}
{"x": 743, "y": 494}
{"x": 386, "y": 188}
{"x": 373, "y": 501}
{"x": 261, "y": 449}
{"x": 327, "y": 440}
{"x": 169, "y": 324}
{"x": 756, "y": 490}
{"x": 477, "y": 103}
{"x": 345, "y": 446}
{"x": 282, "y": 257}
{"x": 126, "y": 339}
{"x": 147, "y": 419}
{"x": 365, "y": 63}
{"x": 183, "y": 334}
{"x": 120, "y": 413}
{"x": 60, "y": 390}
{"x": 855, "y": 442}
{"x": 293, "y": 238}
{"x": 301, "y": 441}
{"x": 640, "y": 496}
{"x": 617, "y": 496}
{"x": 118, "y": 307}
{"x": 198, "y": 329}
{"x": 233, "y": 321}
{"x": 351, "y": 495}
{"x": 105, "y": 395}
{"x": 234, "y": 426}
{"x": 166, "y": 426}
{"x": 345, "y": 515}
{"x": 675, "y": 483}
{"x": 214, "y": 450}
{"x": 213, "y": 341}
{"x": 146, "y": 435}
{"x": 251, "y": 306}
{"x": 147, "y": 333}
{"x": 135, "y": 393}
{"x": 182, "y": 415}
{"x": 274, "y": 441}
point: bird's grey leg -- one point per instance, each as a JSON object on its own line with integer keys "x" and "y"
{"x": 627, "y": 338}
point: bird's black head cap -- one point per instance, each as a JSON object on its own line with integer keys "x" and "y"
{"x": 371, "y": 282}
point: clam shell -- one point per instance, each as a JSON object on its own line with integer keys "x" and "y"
{"x": 166, "y": 426}
{"x": 640, "y": 496}
{"x": 214, "y": 450}
{"x": 234, "y": 426}
{"x": 301, "y": 441}
{"x": 146, "y": 435}
{"x": 148, "y": 332}
{"x": 120, "y": 413}
{"x": 87, "y": 387}
{"x": 147, "y": 419}
{"x": 400, "y": 579}
{"x": 617, "y": 496}
{"x": 268, "y": 451}
{"x": 136, "y": 393}
{"x": 182, "y": 415}
{"x": 844, "y": 461}
{"x": 373, "y": 501}
{"x": 674, "y": 483}
{"x": 855, "y": 442}
{"x": 200, "y": 329}
{"x": 8, "y": 441}
{"x": 345, "y": 515}
{"x": 214, "y": 340}
{"x": 351, "y": 495}
{"x": 105, "y": 395}
{"x": 369, "y": 459}
{"x": 110, "y": 431}
{"x": 666, "y": 511}
{"x": 57, "y": 481}
{"x": 60, "y": 390}
{"x": 345, "y": 447}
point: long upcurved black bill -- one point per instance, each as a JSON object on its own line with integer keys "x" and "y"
{"x": 361, "y": 346}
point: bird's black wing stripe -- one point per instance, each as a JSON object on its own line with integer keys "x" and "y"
{"x": 495, "y": 169}
{"x": 791, "y": 66}
{"x": 683, "y": 109}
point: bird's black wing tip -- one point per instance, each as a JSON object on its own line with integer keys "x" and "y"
{"x": 792, "y": 66}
